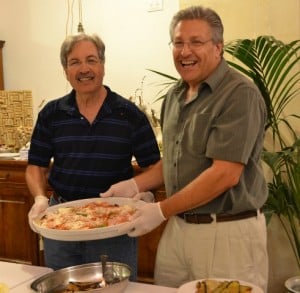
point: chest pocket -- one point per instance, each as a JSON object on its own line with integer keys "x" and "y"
{"x": 197, "y": 129}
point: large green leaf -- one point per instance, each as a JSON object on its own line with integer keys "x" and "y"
{"x": 169, "y": 80}
{"x": 274, "y": 68}
{"x": 284, "y": 190}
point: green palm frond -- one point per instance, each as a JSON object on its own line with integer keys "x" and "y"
{"x": 284, "y": 190}
{"x": 274, "y": 68}
{"x": 169, "y": 80}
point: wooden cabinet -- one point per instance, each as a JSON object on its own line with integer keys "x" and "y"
{"x": 1, "y": 67}
{"x": 19, "y": 244}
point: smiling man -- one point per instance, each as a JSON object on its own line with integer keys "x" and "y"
{"x": 91, "y": 134}
{"x": 213, "y": 122}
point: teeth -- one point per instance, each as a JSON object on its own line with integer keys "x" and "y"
{"x": 85, "y": 78}
{"x": 188, "y": 62}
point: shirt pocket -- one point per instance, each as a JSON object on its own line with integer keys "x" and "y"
{"x": 196, "y": 132}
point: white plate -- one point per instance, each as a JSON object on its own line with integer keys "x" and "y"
{"x": 90, "y": 234}
{"x": 190, "y": 287}
{"x": 8, "y": 155}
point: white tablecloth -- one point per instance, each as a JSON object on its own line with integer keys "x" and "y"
{"x": 146, "y": 288}
{"x": 18, "y": 277}
{"x": 15, "y": 275}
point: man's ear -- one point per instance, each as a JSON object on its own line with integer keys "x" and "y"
{"x": 65, "y": 73}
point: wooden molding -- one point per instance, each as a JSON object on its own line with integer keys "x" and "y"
{"x": 1, "y": 66}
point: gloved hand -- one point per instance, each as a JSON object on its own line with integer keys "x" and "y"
{"x": 39, "y": 206}
{"x": 147, "y": 217}
{"x": 125, "y": 188}
{"x": 147, "y": 196}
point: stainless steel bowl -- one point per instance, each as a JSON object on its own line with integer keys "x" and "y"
{"x": 58, "y": 280}
{"x": 293, "y": 284}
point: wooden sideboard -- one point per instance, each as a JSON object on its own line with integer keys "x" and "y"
{"x": 1, "y": 66}
{"x": 19, "y": 244}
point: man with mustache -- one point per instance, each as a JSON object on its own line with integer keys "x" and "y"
{"x": 91, "y": 134}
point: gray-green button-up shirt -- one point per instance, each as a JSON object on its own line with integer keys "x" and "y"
{"x": 225, "y": 121}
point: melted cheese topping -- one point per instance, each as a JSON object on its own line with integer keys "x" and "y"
{"x": 89, "y": 216}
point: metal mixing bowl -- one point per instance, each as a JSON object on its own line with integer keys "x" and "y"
{"x": 58, "y": 280}
{"x": 293, "y": 284}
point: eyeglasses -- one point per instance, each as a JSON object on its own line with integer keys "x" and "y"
{"x": 92, "y": 61}
{"x": 193, "y": 45}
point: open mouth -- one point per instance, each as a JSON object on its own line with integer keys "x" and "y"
{"x": 188, "y": 63}
{"x": 85, "y": 78}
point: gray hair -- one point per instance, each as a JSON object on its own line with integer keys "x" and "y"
{"x": 200, "y": 13}
{"x": 71, "y": 41}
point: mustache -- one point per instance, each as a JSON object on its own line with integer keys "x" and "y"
{"x": 85, "y": 75}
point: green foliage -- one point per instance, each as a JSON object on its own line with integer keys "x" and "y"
{"x": 284, "y": 190}
{"x": 169, "y": 81}
{"x": 274, "y": 68}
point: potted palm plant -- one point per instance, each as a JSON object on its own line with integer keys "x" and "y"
{"x": 284, "y": 190}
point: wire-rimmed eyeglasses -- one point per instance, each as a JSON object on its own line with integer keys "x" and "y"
{"x": 193, "y": 44}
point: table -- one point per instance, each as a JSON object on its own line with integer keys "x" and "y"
{"x": 18, "y": 277}
{"x": 14, "y": 275}
{"x": 146, "y": 288}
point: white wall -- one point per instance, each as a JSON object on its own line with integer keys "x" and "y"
{"x": 251, "y": 18}
{"x": 136, "y": 39}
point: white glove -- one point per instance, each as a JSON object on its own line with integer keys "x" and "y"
{"x": 125, "y": 188}
{"x": 39, "y": 206}
{"x": 147, "y": 217}
{"x": 147, "y": 196}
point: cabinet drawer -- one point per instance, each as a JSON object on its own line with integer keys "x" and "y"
{"x": 12, "y": 171}
{"x": 12, "y": 176}
{"x": 17, "y": 242}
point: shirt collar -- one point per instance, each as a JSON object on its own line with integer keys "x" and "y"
{"x": 212, "y": 82}
{"x": 217, "y": 76}
{"x": 68, "y": 102}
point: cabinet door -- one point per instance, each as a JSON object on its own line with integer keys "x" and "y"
{"x": 17, "y": 242}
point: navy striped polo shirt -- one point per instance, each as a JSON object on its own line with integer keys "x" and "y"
{"x": 89, "y": 158}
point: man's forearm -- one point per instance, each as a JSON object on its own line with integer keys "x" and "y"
{"x": 36, "y": 180}
{"x": 150, "y": 179}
